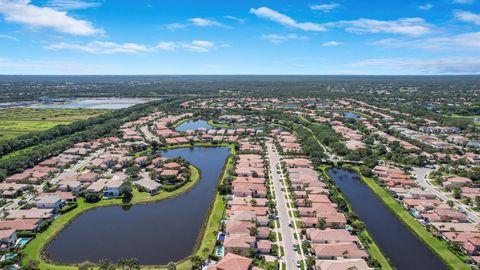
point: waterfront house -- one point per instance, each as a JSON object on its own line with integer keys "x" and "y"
{"x": 239, "y": 244}
{"x": 339, "y": 250}
{"x": 49, "y": 202}
{"x": 149, "y": 186}
{"x": 32, "y": 213}
{"x": 233, "y": 262}
{"x": 342, "y": 264}
{"x": 8, "y": 237}
{"x": 112, "y": 188}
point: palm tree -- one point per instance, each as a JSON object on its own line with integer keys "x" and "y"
{"x": 197, "y": 262}
{"x": 133, "y": 264}
{"x": 253, "y": 231}
{"x": 122, "y": 263}
{"x": 205, "y": 251}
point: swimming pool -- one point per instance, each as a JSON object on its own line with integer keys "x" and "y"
{"x": 219, "y": 252}
{"x": 221, "y": 236}
{"x": 21, "y": 242}
{"x": 8, "y": 256}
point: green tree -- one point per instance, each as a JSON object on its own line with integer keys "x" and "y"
{"x": 126, "y": 189}
{"x": 30, "y": 265}
{"x": 122, "y": 263}
{"x": 197, "y": 262}
{"x": 133, "y": 264}
{"x": 105, "y": 265}
{"x": 171, "y": 266}
{"x": 321, "y": 223}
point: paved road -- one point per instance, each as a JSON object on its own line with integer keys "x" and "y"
{"x": 422, "y": 179}
{"x": 149, "y": 136}
{"x": 291, "y": 256}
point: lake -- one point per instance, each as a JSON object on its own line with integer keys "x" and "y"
{"x": 194, "y": 125}
{"x": 94, "y": 103}
{"x": 155, "y": 233}
{"x": 404, "y": 250}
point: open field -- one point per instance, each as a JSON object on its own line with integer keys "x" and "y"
{"x": 17, "y": 121}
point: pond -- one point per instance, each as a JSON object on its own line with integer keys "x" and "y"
{"x": 194, "y": 125}
{"x": 155, "y": 233}
{"x": 404, "y": 250}
{"x": 351, "y": 115}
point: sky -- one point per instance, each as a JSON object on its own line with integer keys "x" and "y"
{"x": 343, "y": 37}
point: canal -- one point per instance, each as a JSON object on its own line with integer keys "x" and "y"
{"x": 405, "y": 251}
{"x": 155, "y": 233}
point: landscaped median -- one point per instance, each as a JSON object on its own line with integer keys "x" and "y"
{"x": 438, "y": 246}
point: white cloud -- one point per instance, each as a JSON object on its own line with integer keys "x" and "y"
{"x": 404, "y": 26}
{"x": 203, "y": 22}
{"x": 166, "y": 46}
{"x": 267, "y": 13}
{"x": 193, "y": 46}
{"x": 331, "y": 43}
{"x": 324, "y": 7}
{"x": 8, "y": 37}
{"x": 72, "y": 4}
{"x": 467, "y": 16}
{"x": 25, "y": 13}
{"x": 463, "y": 1}
{"x": 200, "y": 22}
{"x": 233, "y": 18}
{"x": 282, "y": 38}
{"x": 452, "y": 65}
{"x": 465, "y": 41}
{"x": 199, "y": 46}
{"x": 107, "y": 48}
{"x": 427, "y": 6}
{"x": 101, "y": 47}
{"x": 176, "y": 26}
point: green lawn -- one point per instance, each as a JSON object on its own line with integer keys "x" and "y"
{"x": 17, "y": 121}
{"x": 438, "y": 246}
{"x": 213, "y": 123}
{"x": 34, "y": 249}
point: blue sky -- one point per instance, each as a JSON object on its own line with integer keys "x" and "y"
{"x": 239, "y": 37}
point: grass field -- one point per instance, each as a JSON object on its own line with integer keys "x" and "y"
{"x": 18, "y": 121}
